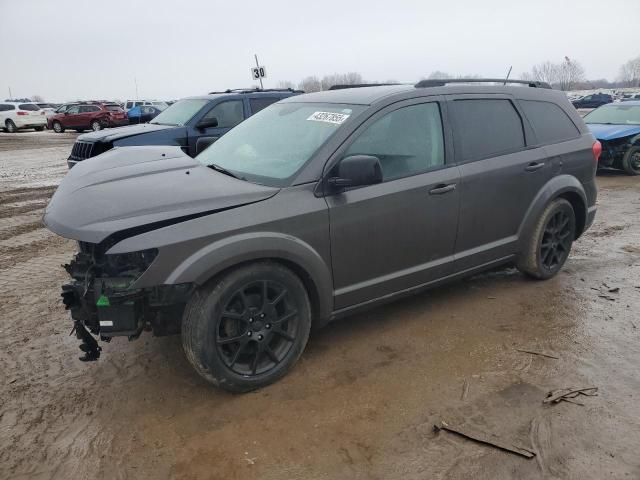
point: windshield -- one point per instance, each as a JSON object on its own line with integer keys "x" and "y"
{"x": 615, "y": 114}
{"x": 271, "y": 146}
{"x": 180, "y": 112}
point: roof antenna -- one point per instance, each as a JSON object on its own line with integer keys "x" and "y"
{"x": 508, "y": 73}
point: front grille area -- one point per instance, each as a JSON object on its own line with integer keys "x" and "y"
{"x": 81, "y": 150}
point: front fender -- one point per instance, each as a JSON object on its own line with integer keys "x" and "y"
{"x": 216, "y": 257}
{"x": 557, "y": 186}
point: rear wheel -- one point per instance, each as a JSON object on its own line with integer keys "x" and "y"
{"x": 95, "y": 125}
{"x": 631, "y": 161}
{"x": 548, "y": 248}
{"x": 10, "y": 126}
{"x": 248, "y": 328}
{"x": 57, "y": 127}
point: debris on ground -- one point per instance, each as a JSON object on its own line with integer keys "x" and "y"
{"x": 533, "y": 352}
{"x": 465, "y": 389}
{"x": 485, "y": 438}
{"x": 568, "y": 394}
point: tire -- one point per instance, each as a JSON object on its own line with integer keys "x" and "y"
{"x": 254, "y": 343}
{"x": 95, "y": 126}
{"x": 57, "y": 127}
{"x": 556, "y": 227}
{"x": 38, "y": 129}
{"x": 10, "y": 127}
{"x": 631, "y": 161}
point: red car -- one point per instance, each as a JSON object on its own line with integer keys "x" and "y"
{"x": 88, "y": 116}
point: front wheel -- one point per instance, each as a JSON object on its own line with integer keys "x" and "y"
{"x": 631, "y": 161}
{"x": 548, "y": 247}
{"x": 248, "y": 328}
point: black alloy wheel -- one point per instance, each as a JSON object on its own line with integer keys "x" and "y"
{"x": 256, "y": 328}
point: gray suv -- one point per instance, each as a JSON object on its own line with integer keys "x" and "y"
{"x": 316, "y": 207}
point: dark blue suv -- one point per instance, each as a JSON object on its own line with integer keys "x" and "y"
{"x": 192, "y": 123}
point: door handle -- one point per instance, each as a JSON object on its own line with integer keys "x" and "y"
{"x": 441, "y": 189}
{"x": 533, "y": 166}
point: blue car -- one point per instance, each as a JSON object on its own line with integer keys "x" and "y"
{"x": 617, "y": 127}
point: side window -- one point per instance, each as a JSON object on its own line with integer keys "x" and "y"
{"x": 258, "y": 104}
{"x": 550, "y": 123}
{"x": 486, "y": 128}
{"x": 73, "y": 110}
{"x": 129, "y": 105}
{"x": 6, "y": 107}
{"x": 89, "y": 109}
{"x": 407, "y": 141}
{"x": 229, "y": 114}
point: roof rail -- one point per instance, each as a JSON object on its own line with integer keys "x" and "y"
{"x": 360, "y": 85}
{"x": 257, "y": 90}
{"x": 443, "y": 82}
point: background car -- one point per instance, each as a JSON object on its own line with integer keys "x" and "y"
{"x": 593, "y": 101}
{"x": 129, "y": 104}
{"x": 142, "y": 114}
{"x": 84, "y": 116}
{"x": 617, "y": 127}
{"x": 15, "y": 116}
{"x": 192, "y": 123}
{"x": 630, "y": 97}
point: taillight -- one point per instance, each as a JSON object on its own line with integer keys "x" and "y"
{"x": 22, "y": 113}
{"x": 597, "y": 151}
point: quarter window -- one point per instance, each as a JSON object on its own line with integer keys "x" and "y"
{"x": 486, "y": 128}
{"x": 550, "y": 123}
{"x": 5, "y": 107}
{"x": 258, "y": 104}
{"x": 229, "y": 114}
{"x": 32, "y": 107}
{"x": 407, "y": 141}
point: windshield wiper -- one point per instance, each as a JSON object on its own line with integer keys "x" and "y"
{"x": 220, "y": 169}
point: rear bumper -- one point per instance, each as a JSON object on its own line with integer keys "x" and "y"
{"x": 29, "y": 121}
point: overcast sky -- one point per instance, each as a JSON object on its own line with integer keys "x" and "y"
{"x": 68, "y": 49}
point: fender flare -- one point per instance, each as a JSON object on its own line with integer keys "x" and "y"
{"x": 556, "y": 187}
{"x": 226, "y": 253}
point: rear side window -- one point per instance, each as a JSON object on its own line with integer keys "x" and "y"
{"x": 550, "y": 123}
{"x": 89, "y": 108}
{"x": 29, "y": 106}
{"x": 5, "y": 107}
{"x": 486, "y": 128}
{"x": 129, "y": 105}
{"x": 114, "y": 108}
{"x": 258, "y": 104}
{"x": 408, "y": 141}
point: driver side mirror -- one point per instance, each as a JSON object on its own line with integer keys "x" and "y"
{"x": 356, "y": 171}
{"x": 207, "y": 123}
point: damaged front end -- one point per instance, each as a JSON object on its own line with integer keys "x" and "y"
{"x": 103, "y": 300}
{"x": 613, "y": 152}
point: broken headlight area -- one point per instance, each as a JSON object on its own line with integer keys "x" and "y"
{"x": 103, "y": 300}
{"x": 613, "y": 151}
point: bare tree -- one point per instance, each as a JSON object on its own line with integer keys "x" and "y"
{"x": 351, "y": 78}
{"x": 630, "y": 73}
{"x": 438, "y": 75}
{"x": 37, "y": 98}
{"x": 545, "y": 72}
{"x": 570, "y": 74}
{"x": 310, "y": 84}
{"x": 286, "y": 84}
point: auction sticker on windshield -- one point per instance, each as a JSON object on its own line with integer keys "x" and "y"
{"x": 329, "y": 117}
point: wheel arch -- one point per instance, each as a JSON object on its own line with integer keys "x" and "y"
{"x": 222, "y": 256}
{"x": 562, "y": 186}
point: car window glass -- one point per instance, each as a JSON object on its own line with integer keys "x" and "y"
{"x": 32, "y": 107}
{"x": 73, "y": 110}
{"x": 550, "y": 123}
{"x": 485, "y": 128}
{"x": 129, "y": 105}
{"x": 258, "y": 104}
{"x": 407, "y": 141}
{"x": 229, "y": 114}
{"x": 5, "y": 107}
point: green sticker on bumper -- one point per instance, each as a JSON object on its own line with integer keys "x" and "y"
{"x": 103, "y": 301}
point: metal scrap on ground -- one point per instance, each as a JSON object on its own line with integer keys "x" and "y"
{"x": 567, "y": 394}
{"x": 532, "y": 352}
{"x": 487, "y": 439}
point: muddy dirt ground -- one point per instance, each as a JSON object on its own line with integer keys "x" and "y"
{"x": 361, "y": 403}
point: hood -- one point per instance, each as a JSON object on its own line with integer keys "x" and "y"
{"x": 137, "y": 187}
{"x": 112, "y": 134}
{"x": 610, "y": 132}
